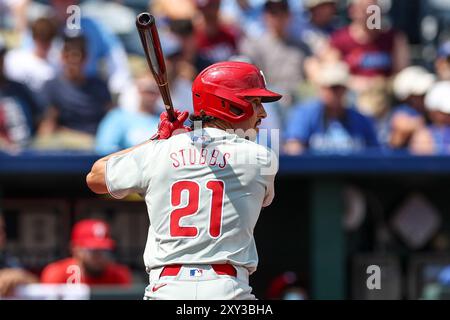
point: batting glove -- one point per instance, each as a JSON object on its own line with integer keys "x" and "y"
{"x": 166, "y": 128}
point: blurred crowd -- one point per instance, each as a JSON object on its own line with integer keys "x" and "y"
{"x": 76, "y": 79}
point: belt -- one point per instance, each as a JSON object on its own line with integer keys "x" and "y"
{"x": 220, "y": 269}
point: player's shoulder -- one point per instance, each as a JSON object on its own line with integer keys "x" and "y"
{"x": 57, "y": 271}
{"x": 61, "y": 264}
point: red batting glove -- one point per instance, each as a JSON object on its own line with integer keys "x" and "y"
{"x": 166, "y": 128}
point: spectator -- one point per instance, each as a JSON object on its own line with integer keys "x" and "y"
{"x": 103, "y": 48}
{"x": 19, "y": 111}
{"x": 435, "y": 139}
{"x": 274, "y": 53}
{"x": 13, "y": 14}
{"x": 106, "y": 57}
{"x": 11, "y": 272}
{"x": 179, "y": 75}
{"x": 328, "y": 124}
{"x": 410, "y": 87}
{"x": 215, "y": 41}
{"x": 183, "y": 29}
{"x": 442, "y": 62}
{"x": 373, "y": 54}
{"x": 314, "y": 33}
{"x": 247, "y": 14}
{"x": 368, "y": 51}
{"x": 173, "y": 9}
{"x": 34, "y": 68}
{"x": 76, "y": 103}
{"x": 121, "y": 128}
{"x": 91, "y": 258}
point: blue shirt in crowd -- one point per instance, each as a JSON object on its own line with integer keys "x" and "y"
{"x": 18, "y": 113}
{"x": 441, "y": 138}
{"x": 121, "y": 129}
{"x": 384, "y": 125}
{"x": 307, "y": 124}
{"x": 80, "y": 106}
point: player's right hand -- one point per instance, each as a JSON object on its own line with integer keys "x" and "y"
{"x": 166, "y": 128}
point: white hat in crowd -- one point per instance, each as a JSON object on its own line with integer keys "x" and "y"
{"x": 411, "y": 81}
{"x": 314, "y": 3}
{"x": 333, "y": 74}
{"x": 438, "y": 97}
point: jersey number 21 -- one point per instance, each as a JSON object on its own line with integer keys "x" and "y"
{"x": 216, "y": 190}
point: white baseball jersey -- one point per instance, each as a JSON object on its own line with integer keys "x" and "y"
{"x": 204, "y": 191}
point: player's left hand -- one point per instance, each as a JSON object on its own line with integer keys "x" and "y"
{"x": 166, "y": 128}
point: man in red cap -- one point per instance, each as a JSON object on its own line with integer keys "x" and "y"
{"x": 90, "y": 262}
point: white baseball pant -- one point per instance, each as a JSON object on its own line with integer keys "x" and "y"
{"x": 198, "y": 282}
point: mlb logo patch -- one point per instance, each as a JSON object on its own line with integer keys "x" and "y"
{"x": 201, "y": 139}
{"x": 195, "y": 272}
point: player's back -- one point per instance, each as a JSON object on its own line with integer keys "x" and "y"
{"x": 204, "y": 197}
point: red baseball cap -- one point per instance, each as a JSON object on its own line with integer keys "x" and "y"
{"x": 92, "y": 234}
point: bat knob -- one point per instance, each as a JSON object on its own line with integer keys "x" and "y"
{"x": 144, "y": 19}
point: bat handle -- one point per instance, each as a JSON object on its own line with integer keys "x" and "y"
{"x": 171, "y": 113}
{"x": 165, "y": 94}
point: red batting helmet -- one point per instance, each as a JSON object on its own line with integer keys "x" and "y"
{"x": 220, "y": 91}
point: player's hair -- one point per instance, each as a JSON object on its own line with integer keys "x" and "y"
{"x": 208, "y": 119}
{"x": 203, "y": 118}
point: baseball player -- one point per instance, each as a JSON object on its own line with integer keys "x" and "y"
{"x": 204, "y": 189}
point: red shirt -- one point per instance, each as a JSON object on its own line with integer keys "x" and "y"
{"x": 370, "y": 59}
{"x": 217, "y": 48}
{"x": 66, "y": 271}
